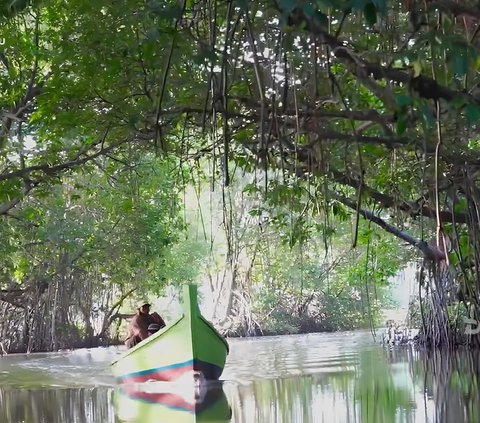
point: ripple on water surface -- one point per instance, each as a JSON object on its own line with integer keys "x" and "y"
{"x": 310, "y": 378}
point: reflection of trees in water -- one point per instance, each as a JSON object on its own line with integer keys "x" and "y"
{"x": 384, "y": 386}
{"x": 448, "y": 381}
{"x": 399, "y": 385}
{"x": 276, "y": 400}
{"x": 85, "y": 405}
{"x": 451, "y": 379}
{"x": 382, "y": 394}
{"x": 367, "y": 394}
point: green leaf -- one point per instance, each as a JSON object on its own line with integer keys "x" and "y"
{"x": 474, "y": 144}
{"x": 458, "y": 102}
{"x": 251, "y": 188}
{"x": 460, "y": 64}
{"x": 242, "y": 4}
{"x": 205, "y": 54}
{"x": 287, "y": 6}
{"x": 464, "y": 245}
{"x": 374, "y": 150}
{"x": 127, "y": 205}
{"x": 30, "y": 214}
{"x": 472, "y": 112}
{"x": 381, "y": 5}
{"x": 403, "y": 100}
{"x": 370, "y": 12}
{"x": 255, "y": 212}
{"x": 152, "y": 35}
{"x": 308, "y": 10}
{"x": 358, "y": 4}
{"x": 417, "y": 68}
{"x": 401, "y": 126}
{"x": 427, "y": 115}
{"x": 453, "y": 258}
{"x": 321, "y": 18}
{"x": 460, "y": 206}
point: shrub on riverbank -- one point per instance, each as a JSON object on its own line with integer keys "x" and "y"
{"x": 278, "y": 313}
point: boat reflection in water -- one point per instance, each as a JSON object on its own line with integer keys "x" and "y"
{"x": 162, "y": 402}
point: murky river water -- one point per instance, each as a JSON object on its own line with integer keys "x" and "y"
{"x": 343, "y": 377}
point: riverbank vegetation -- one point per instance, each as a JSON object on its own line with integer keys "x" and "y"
{"x": 340, "y": 136}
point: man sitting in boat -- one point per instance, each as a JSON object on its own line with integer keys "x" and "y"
{"x": 138, "y": 328}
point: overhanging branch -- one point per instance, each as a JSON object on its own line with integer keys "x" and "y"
{"x": 55, "y": 169}
{"x": 428, "y": 251}
{"x": 386, "y": 201}
{"x": 425, "y": 87}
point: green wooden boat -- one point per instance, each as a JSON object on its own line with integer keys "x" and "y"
{"x": 188, "y": 347}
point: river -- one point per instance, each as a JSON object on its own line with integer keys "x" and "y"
{"x": 340, "y": 377}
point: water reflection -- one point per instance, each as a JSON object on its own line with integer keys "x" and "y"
{"x": 79, "y": 405}
{"x": 185, "y": 405}
{"x": 298, "y": 379}
{"x": 386, "y": 386}
{"x": 75, "y": 368}
{"x": 383, "y": 392}
{"x": 369, "y": 394}
{"x": 452, "y": 384}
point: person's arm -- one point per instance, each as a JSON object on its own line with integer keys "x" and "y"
{"x": 158, "y": 319}
{"x": 138, "y": 328}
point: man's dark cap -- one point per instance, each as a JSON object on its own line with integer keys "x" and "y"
{"x": 145, "y": 305}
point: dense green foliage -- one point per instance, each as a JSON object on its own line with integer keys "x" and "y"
{"x": 370, "y": 106}
{"x": 73, "y": 252}
{"x": 272, "y": 284}
{"x": 304, "y": 290}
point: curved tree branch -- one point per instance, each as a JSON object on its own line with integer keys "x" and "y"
{"x": 425, "y": 86}
{"x": 428, "y": 251}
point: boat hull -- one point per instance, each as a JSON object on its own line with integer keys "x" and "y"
{"x": 173, "y": 372}
{"x": 190, "y": 347}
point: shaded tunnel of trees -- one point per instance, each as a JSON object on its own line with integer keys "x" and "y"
{"x": 334, "y": 122}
